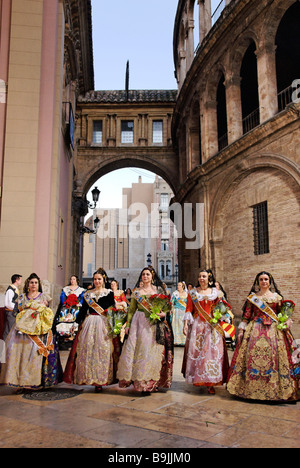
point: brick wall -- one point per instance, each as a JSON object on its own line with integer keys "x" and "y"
{"x": 283, "y": 262}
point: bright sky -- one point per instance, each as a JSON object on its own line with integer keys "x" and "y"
{"x": 140, "y": 31}
{"x": 111, "y": 185}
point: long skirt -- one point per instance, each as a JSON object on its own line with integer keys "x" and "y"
{"x": 261, "y": 367}
{"x": 91, "y": 357}
{"x": 26, "y": 367}
{"x": 205, "y": 361}
{"x": 177, "y": 325}
{"x": 144, "y": 362}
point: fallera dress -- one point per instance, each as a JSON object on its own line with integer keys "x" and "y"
{"x": 147, "y": 356}
{"x": 262, "y": 366}
{"x": 178, "y": 310}
{"x": 32, "y": 356}
{"x": 91, "y": 357}
{"x": 205, "y": 361}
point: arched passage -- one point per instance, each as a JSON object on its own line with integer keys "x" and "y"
{"x": 93, "y": 173}
{"x": 134, "y": 224}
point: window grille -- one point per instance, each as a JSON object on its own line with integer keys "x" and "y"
{"x": 127, "y": 131}
{"x": 261, "y": 229}
{"x": 97, "y": 132}
{"x": 157, "y": 131}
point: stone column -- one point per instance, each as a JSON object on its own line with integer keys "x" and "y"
{"x": 204, "y": 18}
{"x": 111, "y": 130}
{"x": 267, "y": 82}
{"x": 182, "y": 67}
{"x": 209, "y": 136}
{"x": 190, "y": 44}
{"x": 234, "y": 108}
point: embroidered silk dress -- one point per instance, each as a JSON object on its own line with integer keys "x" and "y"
{"x": 178, "y": 311}
{"x": 262, "y": 367}
{"x": 205, "y": 361}
{"x": 32, "y": 361}
{"x": 91, "y": 358}
{"x": 147, "y": 354}
{"x": 65, "y": 325}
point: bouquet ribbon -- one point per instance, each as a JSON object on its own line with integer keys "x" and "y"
{"x": 43, "y": 349}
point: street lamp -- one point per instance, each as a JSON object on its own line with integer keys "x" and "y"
{"x": 84, "y": 229}
{"x": 87, "y": 230}
{"x": 95, "y": 194}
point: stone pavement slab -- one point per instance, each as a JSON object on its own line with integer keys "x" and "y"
{"x": 184, "y": 417}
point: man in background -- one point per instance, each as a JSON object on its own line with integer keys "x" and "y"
{"x": 11, "y": 303}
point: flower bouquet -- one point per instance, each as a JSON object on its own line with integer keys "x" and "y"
{"x": 35, "y": 319}
{"x": 67, "y": 326}
{"x": 116, "y": 319}
{"x": 220, "y": 310}
{"x": 157, "y": 303}
{"x": 286, "y": 311}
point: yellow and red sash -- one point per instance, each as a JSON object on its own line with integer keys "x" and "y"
{"x": 93, "y": 304}
{"x": 263, "y": 307}
{"x": 228, "y": 328}
{"x": 44, "y": 349}
{"x": 201, "y": 313}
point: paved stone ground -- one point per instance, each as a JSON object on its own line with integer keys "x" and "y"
{"x": 183, "y": 417}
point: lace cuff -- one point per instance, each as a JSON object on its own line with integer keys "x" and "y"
{"x": 243, "y": 326}
{"x": 188, "y": 316}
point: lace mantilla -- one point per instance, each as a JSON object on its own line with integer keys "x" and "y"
{"x": 97, "y": 295}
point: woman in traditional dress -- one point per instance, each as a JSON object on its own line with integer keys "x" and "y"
{"x": 71, "y": 299}
{"x": 205, "y": 361}
{"x": 120, "y": 298}
{"x": 179, "y": 301}
{"x": 118, "y": 317}
{"x": 32, "y": 357}
{"x": 147, "y": 354}
{"x": 263, "y": 367}
{"x": 91, "y": 358}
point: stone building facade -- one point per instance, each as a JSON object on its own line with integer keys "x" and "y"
{"x": 46, "y": 61}
{"x": 237, "y": 134}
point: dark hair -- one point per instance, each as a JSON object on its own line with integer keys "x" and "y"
{"x": 117, "y": 282}
{"x": 103, "y": 273}
{"x": 222, "y": 289}
{"x": 31, "y": 277}
{"x": 272, "y": 282}
{"x": 211, "y": 278}
{"x": 74, "y": 276}
{"x": 255, "y": 285}
{"x": 15, "y": 277}
{"x": 155, "y": 278}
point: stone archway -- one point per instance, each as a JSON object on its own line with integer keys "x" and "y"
{"x": 89, "y": 170}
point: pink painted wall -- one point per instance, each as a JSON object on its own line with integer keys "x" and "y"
{"x": 46, "y": 136}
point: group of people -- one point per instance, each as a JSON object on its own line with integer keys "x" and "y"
{"x": 130, "y": 340}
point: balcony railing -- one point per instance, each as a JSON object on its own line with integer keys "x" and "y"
{"x": 251, "y": 121}
{"x": 217, "y": 13}
{"x": 223, "y": 141}
{"x": 285, "y": 98}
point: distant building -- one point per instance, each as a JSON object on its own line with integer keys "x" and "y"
{"x": 127, "y": 236}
